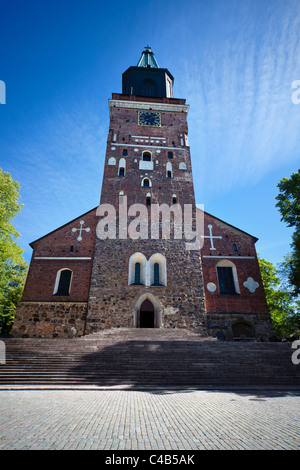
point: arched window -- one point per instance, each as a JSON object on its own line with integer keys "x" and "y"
{"x": 182, "y": 166}
{"x": 122, "y": 166}
{"x": 63, "y": 282}
{"x": 169, "y": 170}
{"x": 147, "y": 157}
{"x": 227, "y": 277}
{"x": 137, "y": 269}
{"x": 146, "y": 182}
{"x": 158, "y": 270}
{"x": 146, "y": 162}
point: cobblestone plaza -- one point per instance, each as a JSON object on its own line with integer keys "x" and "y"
{"x": 155, "y": 419}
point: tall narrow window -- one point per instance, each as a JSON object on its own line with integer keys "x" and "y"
{"x": 156, "y": 274}
{"x": 63, "y": 282}
{"x": 137, "y": 273}
{"x": 122, "y": 166}
{"x": 148, "y": 201}
{"x": 169, "y": 170}
{"x": 158, "y": 270}
{"x": 226, "y": 281}
{"x": 170, "y": 154}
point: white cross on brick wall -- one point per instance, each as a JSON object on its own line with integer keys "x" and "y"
{"x": 79, "y": 238}
{"x": 211, "y": 237}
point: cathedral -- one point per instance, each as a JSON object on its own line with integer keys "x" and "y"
{"x": 147, "y": 256}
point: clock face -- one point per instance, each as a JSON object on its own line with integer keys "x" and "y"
{"x": 149, "y": 118}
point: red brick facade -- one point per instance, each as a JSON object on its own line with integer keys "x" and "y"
{"x": 247, "y": 306}
{"x": 61, "y": 250}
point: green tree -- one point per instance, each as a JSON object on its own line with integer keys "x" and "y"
{"x": 289, "y": 207}
{"x": 13, "y": 267}
{"x": 284, "y": 310}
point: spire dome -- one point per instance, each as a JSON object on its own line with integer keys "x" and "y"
{"x": 148, "y": 59}
{"x": 147, "y": 78}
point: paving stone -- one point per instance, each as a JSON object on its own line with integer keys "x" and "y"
{"x": 170, "y": 420}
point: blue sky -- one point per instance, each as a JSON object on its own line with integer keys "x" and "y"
{"x": 233, "y": 61}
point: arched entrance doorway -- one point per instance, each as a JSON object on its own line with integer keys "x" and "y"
{"x": 147, "y": 312}
{"x": 147, "y": 316}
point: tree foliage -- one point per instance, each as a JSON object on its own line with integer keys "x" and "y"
{"x": 289, "y": 207}
{"x": 283, "y": 308}
{"x": 13, "y": 268}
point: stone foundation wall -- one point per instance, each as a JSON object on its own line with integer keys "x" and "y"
{"x": 50, "y": 320}
{"x": 232, "y": 326}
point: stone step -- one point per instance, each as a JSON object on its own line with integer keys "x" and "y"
{"x": 146, "y": 357}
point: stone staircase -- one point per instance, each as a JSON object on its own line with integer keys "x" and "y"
{"x": 133, "y": 358}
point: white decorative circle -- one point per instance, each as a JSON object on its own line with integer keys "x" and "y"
{"x": 211, "y": 287}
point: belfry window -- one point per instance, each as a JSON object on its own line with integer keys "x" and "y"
{"x": 146, "y": 183}
{"x": 63, "y": 282}
{"x": 149, "y": 87}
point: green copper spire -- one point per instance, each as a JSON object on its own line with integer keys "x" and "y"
{"x": 147, "y": 59}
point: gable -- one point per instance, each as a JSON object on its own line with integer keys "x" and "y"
{"x": 67, "y": 240}
{"x": 223, "y": 239}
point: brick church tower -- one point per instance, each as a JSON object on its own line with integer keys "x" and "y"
{"x": 146, "y": 279}
{"x": 134, "y": 261}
